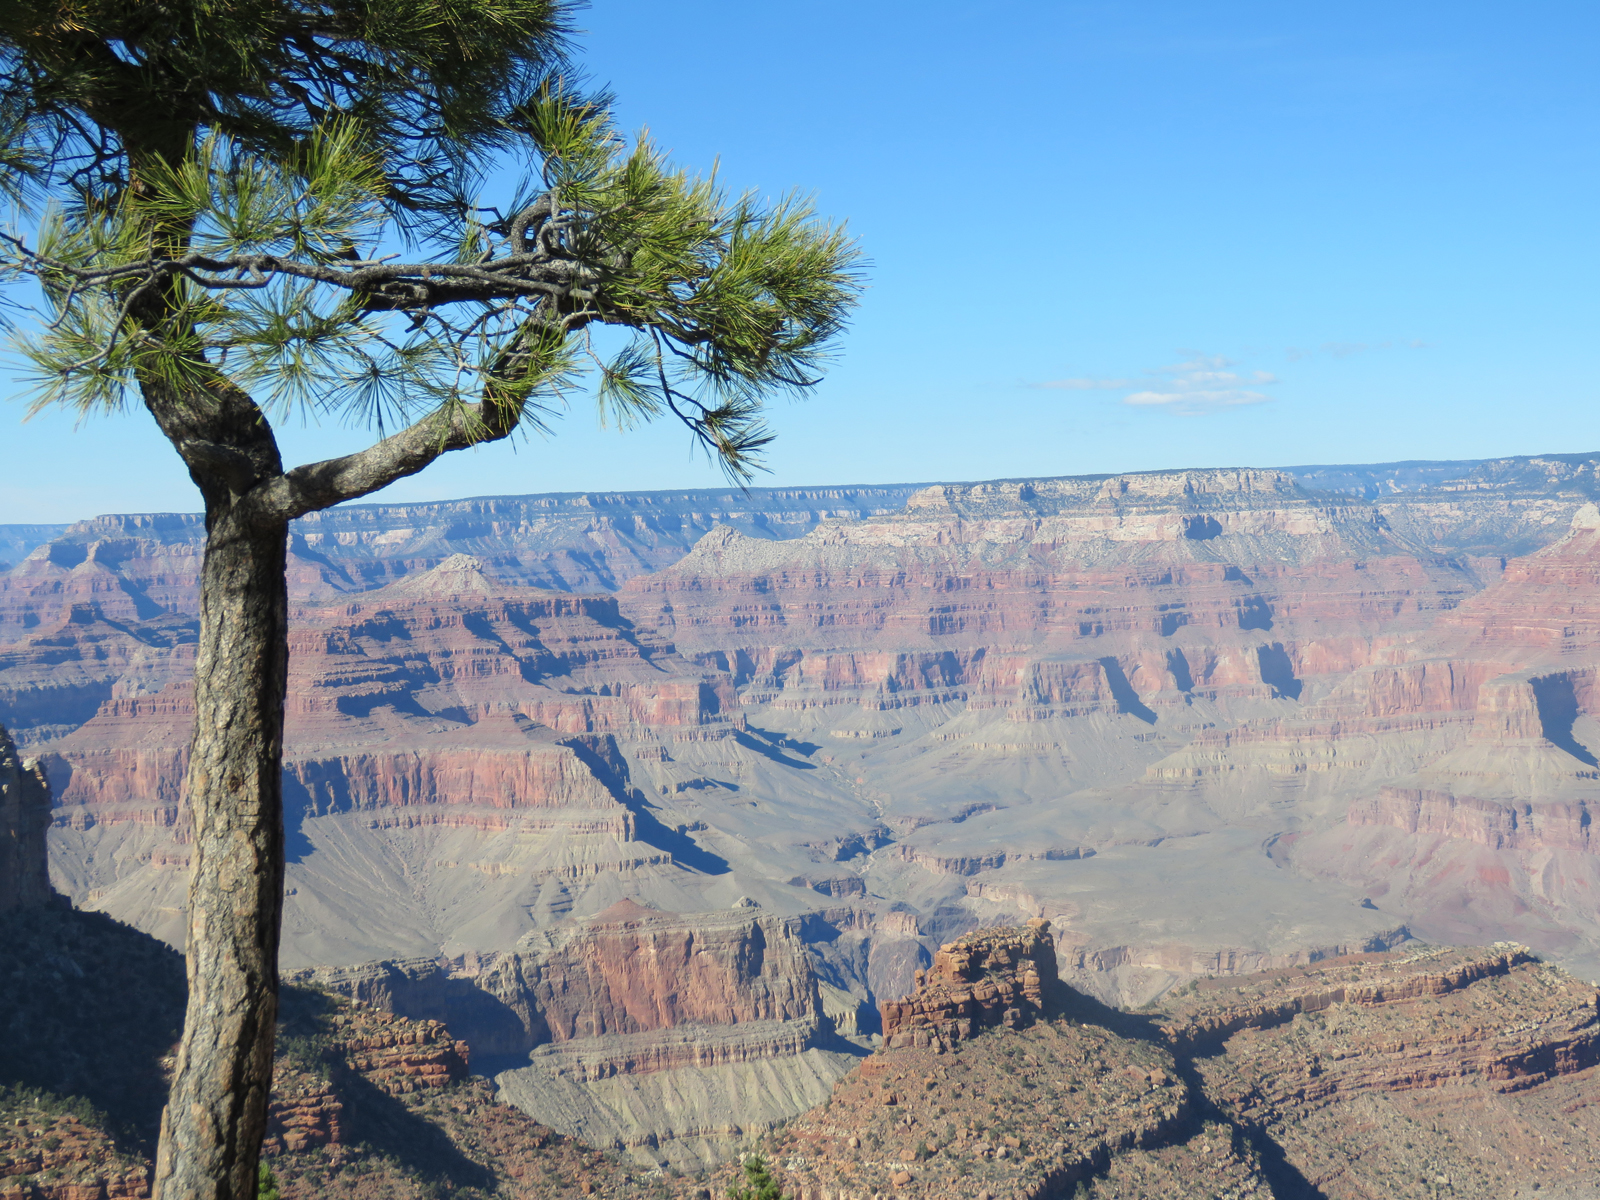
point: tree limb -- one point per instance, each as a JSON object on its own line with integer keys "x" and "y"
{"x": 332, "y": 481}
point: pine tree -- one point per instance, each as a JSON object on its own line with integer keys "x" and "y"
{"x": 760, "y": 1185}
{"x": 245, "y": 210}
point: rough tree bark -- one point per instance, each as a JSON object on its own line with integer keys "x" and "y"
{"x": 215, "y": 1117}
{"x": 216, "y": 1114}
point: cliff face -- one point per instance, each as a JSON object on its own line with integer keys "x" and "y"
{"x": 470, "y": 725}
{"x": 1453, "y": 1072}
{"x": 1206, "y": 722}
{"x": 135, "y": 567}
{"x": 998, "y": 977}
{"x": 1481, "y": 818}
{"x": 579, "y": 1021}
{"x": 24, "y": 820}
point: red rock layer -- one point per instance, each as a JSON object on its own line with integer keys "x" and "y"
{"x": 397, "y": 1056}
{"x": 141, "y": 564}
{"x": 61, "y": 1157}
{"x": 1362, "y": 981}
{"x": 740, "y": 982}
{"x": 450, "y": 689}
{"x": 632, "y": 971}
{"x": 989, "y": 978}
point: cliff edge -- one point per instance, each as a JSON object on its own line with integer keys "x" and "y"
{"x": 24, "y": 818}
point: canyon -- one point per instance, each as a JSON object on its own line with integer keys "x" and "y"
{"x": 1413, "y": 1073}
{"x": 656, "y": 799}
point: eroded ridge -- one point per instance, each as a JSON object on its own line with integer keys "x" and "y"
{"x": 994, "y": 977}
{"x": 1426, "y": 1072}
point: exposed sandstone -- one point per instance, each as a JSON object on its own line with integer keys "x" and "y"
{"x": 998, "y": 977}
{"x": 1126, "y": 705}
{"x": 47, "y": 1153}
{"x": 143, "y": 563}
{"x": 1367, "y": 1077}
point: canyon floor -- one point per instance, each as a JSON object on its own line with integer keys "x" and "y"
{"x": 655, "y": 800}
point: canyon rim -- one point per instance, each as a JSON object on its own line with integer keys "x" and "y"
{"x": 656, "y": 799}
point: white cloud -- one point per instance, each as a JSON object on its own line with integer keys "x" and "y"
{"x": 1197, "y": 385}
{"x": 1201, "y": 384}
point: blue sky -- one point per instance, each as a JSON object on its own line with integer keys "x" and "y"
{"x": 1103, "y": 237}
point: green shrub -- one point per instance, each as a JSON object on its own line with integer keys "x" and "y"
{"x": 762, "y": 1186}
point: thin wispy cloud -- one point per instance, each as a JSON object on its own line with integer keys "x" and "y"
{"x": 1200, "y": 384}
{"x": 1349, "y": 349}
{"x": 1086, "y": 385}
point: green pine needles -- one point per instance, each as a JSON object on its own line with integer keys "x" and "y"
{"x": 277, "y": 278}
{"x": 404, "y": 214}
{"x": 760, "y": 1183}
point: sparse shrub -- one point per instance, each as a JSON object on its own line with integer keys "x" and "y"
{"x": 762, "y": 1186}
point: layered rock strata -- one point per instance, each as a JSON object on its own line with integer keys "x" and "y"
{"x": 1464, "y": 1073}
{"x": 577, "y": 1022}
{"x": 48, "y": 1152}
{"x": 998, "y": 977}
{"x": 1204, "y": 721}
{"x": 1435, "y": 1072}
{"x": 137, "y": 566}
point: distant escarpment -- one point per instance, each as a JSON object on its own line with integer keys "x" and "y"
{"x": 135, "y": 567}
{"x": 1206, "y": 722}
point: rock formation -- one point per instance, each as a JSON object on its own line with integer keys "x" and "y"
{"x": 1424, "y": 1073}
{"x": 1434, "y": 1072}
{"x": 24, "y": 820}
{"x": 998, "y": 977}
{"x": 135, "y": 567}
{"x": 1206, "y": 722}
{"x": 643, "y": 998}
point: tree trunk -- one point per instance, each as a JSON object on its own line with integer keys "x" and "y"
{"x": 216, "y": 1113}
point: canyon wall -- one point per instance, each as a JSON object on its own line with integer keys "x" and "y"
{"x": 135, "y": 567}
{"x": 1204, "y": 722}
{"x": 24, "y": 820}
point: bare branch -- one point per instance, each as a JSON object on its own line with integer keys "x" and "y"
{"x": 323, "y": 484}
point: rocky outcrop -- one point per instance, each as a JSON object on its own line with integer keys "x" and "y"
{"x": 1339, "y": 1075}
{"x": 397, "y": 1056}
{"x": 993, "y": 977}
{"x": 365, "y": 1106}
{"x": 1035, "y": 1112}
{"x": 24, "y": 819}
{"x": 630, "y": 971}
{"x": 50, "y": 1154}
{"x": 1144, "y": 707}
{"x": 633, "y": 970}
{"x": 1216, "y": 1014}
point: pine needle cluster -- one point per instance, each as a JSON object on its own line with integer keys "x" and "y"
{"x": 316, "y": 246}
